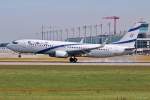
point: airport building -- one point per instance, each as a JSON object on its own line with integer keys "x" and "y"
{"x": 4, "y": 49}
{"x": 5, "y": 52}
{"x": 143, "y": 42}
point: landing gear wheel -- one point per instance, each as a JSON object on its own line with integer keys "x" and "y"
{"x": 19, "y": 56}
{"x": 73, "y": 60}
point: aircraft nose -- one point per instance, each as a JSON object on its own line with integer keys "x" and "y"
{"x": 10, "y": 46}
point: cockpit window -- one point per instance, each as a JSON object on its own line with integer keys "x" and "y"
{"x": 14, "y": 42}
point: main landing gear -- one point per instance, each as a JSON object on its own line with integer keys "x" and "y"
{"x": 73, "y": 59}
{"x": 19, "y": 56}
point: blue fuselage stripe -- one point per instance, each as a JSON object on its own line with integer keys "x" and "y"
{"x": 54, "y": 47}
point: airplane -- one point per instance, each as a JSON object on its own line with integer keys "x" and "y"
{"x": 64, "y": 49}
{"x": 125, "y": 46}
{"x": 60, "y": 49}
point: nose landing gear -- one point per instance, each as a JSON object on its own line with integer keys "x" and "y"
{"x": 73, "y": 59}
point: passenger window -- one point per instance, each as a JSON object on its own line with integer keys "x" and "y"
{"x": 29, "y": 42}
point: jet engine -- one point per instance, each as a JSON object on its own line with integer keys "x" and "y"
{"x": 59, "y": 54}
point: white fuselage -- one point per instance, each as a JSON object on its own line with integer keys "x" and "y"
{"x": 108, "y": 50}
{"x": 49, "y": 47}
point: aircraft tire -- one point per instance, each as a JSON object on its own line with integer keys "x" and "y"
{"x": 19, "y": 56}
{"x": 73, "y": 60}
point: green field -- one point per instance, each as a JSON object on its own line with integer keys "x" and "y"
{"x": 28, "y": 82}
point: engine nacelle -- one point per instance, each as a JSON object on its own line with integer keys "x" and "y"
{"x": 61, "y": 54}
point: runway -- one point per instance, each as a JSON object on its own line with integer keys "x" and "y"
{"x": 79, "y": 63}
{"x": 44, "y": 60}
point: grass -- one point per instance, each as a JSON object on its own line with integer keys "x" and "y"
{"x": 32, "y": 82}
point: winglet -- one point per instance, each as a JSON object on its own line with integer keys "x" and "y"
{"x": 82, "y": 40}
{"x": 104, "y": 43}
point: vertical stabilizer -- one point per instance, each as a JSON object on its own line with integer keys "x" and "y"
{"x": 130, "y": 37}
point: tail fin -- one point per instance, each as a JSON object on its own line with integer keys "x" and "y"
{"x": 129, "y": 39}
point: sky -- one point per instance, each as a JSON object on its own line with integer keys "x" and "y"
{"x": 23, "y": 18}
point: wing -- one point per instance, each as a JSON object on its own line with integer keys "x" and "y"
{"x": 77, "y": 52}
{"x": 82, "y": 51}
{"x": 85, "y": 51}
